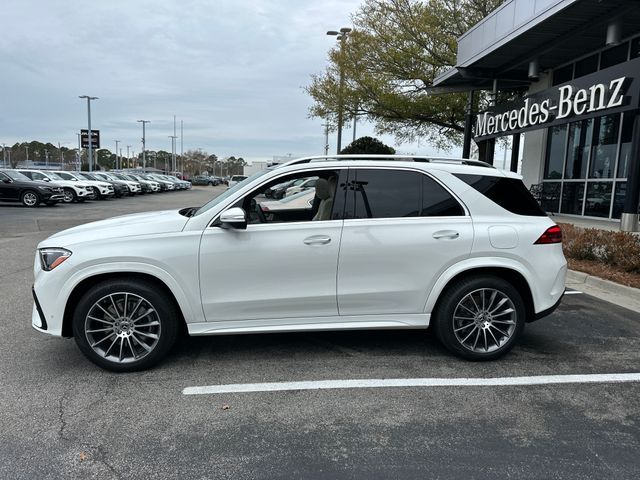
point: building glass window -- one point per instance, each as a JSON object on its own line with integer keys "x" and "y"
{"x": 598, "y": 199}
{"x": 563, "y": 74}
{"x": 556, "y": 147}
{"x": 605, "y": 146}
{"x": 625, "y": 145}
{"x": 578, "y": 151}
{"x": 586, "y": 66}
{"x": 572, "y": 195}
{"x": 618, "y": 199}
{"x": 614, "y": 55}
{"x": 550, "y": 197}
{"x": 635, "y": 48}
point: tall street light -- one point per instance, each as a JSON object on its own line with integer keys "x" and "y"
{"x": 173, "y": 152}
{"x": 342, "y": 36}
{"x": 89, "y": 127}
{"x": 144, "y": 145}
{"x": 117, "y": 163}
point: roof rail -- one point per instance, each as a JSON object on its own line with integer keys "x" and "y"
{"x": 400, "y": 158}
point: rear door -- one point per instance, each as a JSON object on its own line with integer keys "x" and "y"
{"x": 402, "y": 229}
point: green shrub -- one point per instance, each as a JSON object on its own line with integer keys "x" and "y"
{"x": 619, "y": 249}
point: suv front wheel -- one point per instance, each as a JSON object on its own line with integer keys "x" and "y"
{"x": 480, "y": 318}
{"x": 124, "y": 325}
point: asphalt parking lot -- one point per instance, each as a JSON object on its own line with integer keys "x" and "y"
{"x": 63, "y": 417}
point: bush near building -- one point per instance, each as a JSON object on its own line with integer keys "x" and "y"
{"x": 611, "y": 255}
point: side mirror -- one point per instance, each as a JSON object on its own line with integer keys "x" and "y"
{"x": 6, "y": 180}
{"x": 46, "y": 179}
{"x": 234, "y": 218}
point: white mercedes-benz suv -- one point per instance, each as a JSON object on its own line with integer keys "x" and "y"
{"x": 387, "y": 242}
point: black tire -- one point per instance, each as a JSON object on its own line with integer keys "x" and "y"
{"x": 465, "y": 335}
{"x": 30, "y": 198}
{"x": 160, "y": 310}
{"x": 96, "y": 194}
{"x": 69, "y": 195}
{"x": 210, "y": 184}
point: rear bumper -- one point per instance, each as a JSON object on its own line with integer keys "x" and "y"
{"x": 548, "y": 311}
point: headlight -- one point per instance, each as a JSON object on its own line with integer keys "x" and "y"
{"x": 50, "y": 258}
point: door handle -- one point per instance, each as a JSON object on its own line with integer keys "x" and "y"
{"x": 450, "y": 234}
{"x": 317, "y": 240}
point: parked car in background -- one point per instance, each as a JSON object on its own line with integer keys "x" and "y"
{"x": 205, "y": 180}
{"x": 304, "y": 185}
{"x": 236, "y": 179}
{"x": 119, "y": 187}
{"x": 297, "y": 201}
{"x": 278, "y": 191}
{"x": 134, "y": 186}
{"x": 16, "y": 187}
{"x": 148, "y": 185}
{"x": 180, "y": 184}
{"x": 101, "y": 189}
{"x": 165, "y": 185}
{"x": 73, "y": 191}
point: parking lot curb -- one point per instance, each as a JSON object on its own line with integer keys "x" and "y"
{"x": 607, "y": 290}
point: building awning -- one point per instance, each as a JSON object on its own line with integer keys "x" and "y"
{"x": 553, "y": 32}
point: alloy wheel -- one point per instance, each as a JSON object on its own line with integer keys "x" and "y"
{"x": 122, "y": 327}
{"x": 68, "y": 196}
{"x": 30, "y": 199}
{"x": 484, "y": 320}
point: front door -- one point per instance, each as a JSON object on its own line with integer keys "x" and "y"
{"x": 283, "y": 266}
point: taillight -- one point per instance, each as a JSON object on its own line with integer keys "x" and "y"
{"x": 551, "y": 235}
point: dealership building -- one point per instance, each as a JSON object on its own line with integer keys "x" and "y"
{"x": 564, "y": 84}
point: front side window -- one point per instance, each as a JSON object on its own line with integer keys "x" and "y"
{"x": 315, "y": 203}
{"x": 383, "y": 193}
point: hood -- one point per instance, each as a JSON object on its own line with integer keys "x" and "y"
{"x": 148, "y": 223}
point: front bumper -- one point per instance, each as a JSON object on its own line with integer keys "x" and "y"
{"x": 38, "y": 320}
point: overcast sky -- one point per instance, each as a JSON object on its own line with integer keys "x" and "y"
{"x": 232, "y": 70}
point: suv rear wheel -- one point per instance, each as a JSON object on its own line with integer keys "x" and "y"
{"x": 124, "y": 325}
{"x": 480, "y": 318}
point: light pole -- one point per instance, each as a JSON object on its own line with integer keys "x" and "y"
{"x": 89, "y": 128}
{"x": 342, "y": 36}
{"x": 326, "y": 138}
{"x": 173, "y": 152}
{"x": 27, "y": 149}
{"x": 144, "y": 145}
{"x": 4, "y": 155}
{"x": 117, "y": 142}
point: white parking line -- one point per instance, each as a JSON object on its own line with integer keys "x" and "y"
{"x": 412, "y": 382}
{"x": 572, "y": 292}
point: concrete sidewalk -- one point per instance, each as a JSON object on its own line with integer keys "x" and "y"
{"x": 627, "y": 297}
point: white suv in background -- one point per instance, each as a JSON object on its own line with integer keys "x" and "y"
{"x": 100, "y": 189}
{"x": 387, "y": 242}
{"x": 73, "y": 191}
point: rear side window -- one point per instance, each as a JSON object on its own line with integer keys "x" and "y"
{"x": 509, "y": 193}
{"x": 382, "y": 193}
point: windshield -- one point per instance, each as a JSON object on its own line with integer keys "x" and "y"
{"x": 310, "y": 193}
{"x": 16, "y": 175}
{"x": 53, "y": 176}
{"x": 215, "y": 201}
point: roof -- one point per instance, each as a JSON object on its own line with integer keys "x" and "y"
{"x": 519, "y": 31}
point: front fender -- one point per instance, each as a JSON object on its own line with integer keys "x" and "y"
{"x": 190, "y": 313}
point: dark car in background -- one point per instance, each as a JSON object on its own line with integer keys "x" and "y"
{"x": 205, "y": 180}
{"x": 16, "y": 187}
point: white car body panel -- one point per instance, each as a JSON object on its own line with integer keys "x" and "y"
{"x": 103, "y": 187}
{"x": 82, "y": 189}
{"x": 253, "y": 255}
